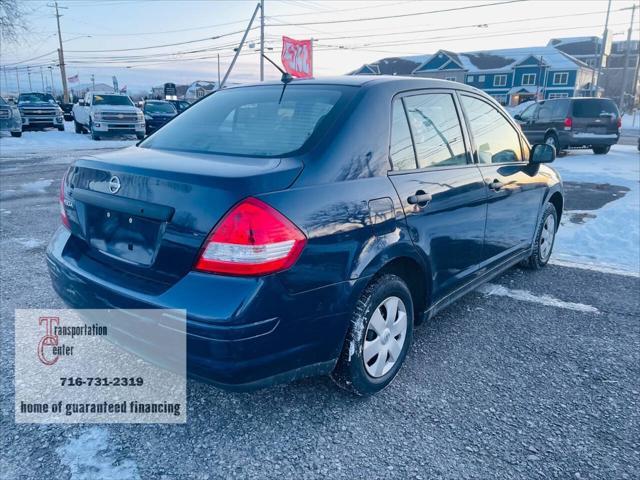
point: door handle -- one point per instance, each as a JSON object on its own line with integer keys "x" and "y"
{"x": 420, "y": 198}
{"x": 496, "y": 185}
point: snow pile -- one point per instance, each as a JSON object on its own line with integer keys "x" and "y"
{"x": 631, "y": 121}
{"x": 49, "y": 141}
{"x": 611, "y": 239}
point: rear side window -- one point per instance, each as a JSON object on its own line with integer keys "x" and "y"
{"x": 560, "y": 108}
{"x": 593, "y": 108}
{"x": 496, "y": 140}
{"x": 436, "y": 130}
{"x": 401, "y": 150}
{"x": 546, "y": 112}
{"x": 261, "y": 121}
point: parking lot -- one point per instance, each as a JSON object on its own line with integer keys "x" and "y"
{"x": 536, "y": 375}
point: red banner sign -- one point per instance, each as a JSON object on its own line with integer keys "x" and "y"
{"x": 297, "y": 57}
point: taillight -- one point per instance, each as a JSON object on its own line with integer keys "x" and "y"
{"x": 63, "y": 212}
{"x": 251, "y": 239}
{"x": 568, "y": 123}
{"x": 619, "y": 122}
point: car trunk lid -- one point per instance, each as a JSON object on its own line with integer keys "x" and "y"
{"x": 147, "y": 212}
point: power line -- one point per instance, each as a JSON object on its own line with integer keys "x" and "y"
{"x": 404, "y": 15}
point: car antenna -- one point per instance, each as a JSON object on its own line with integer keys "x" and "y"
{"x": 285, "y": 79}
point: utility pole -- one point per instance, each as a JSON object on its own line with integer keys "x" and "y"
{"x": 63, "y": 70}
{"x": 42, "y": 79}
{"x": 51, "y": 73}
{"x": 239, "y": 49}
{"x": 93, "y": 82}
{"x": 18, "y": 80}
{"x": 262, "y": 40}
{"x": 29, "y": 76}
{"x": 626, "y": 59}
{"x": 605, "y": 39}
{"x": 218, "y": 70}
{"x": 6, "y": 83}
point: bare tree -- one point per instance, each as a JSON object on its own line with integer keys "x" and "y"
{"x": 12, "y": 20}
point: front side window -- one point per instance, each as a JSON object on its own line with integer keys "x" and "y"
{"x": 496, "y": 140}
{"x": 500, "y": 81}
{"x": 401, "y": 149}
{"x": 436, "y": 130}
{"x": 529, "y": 113}
{"x": 260, "y": 121}
{"x": 529, "y": 79}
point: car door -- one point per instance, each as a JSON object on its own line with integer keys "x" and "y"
{"x": 527, "y": 121}
{"x": 515, "y": 187}
{"x": 442, "y": 192}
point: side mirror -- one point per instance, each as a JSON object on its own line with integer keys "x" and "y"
{"x": 518, "y": 117}
{"x": 542, "y": 153}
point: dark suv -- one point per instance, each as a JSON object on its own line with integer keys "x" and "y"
{"x": 572, "y": 123}
{"x": 306, "y": 226}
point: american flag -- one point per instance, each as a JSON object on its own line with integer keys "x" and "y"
{"x": 74, "y": 79}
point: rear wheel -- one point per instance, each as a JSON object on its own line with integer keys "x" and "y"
{"x": 378, "y": 339}
{"x": 602, "y": 149}
{"x": 544, "y": 239}
{"x": 552, "y": 139}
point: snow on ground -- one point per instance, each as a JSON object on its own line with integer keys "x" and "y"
{"x": 610, "y": 236}
{"x": 50, "y": 140}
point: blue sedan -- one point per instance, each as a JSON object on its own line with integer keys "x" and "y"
{"x": 308, "y": 226}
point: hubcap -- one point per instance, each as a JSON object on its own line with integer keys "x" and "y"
{"x": 551, "y": 141}
{"x": 385, "y": 337}
{"x": 546, "y": 237}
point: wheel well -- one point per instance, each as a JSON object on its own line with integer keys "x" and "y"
{"x": 550, "y": 132}
{"x": 556, "y": 200}
{"x": 415, "y": 277}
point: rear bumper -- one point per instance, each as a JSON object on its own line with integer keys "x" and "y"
{"x": 578, "y": 139}
{"x": 242, "y": 333}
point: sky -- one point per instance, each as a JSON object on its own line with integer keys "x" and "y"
{"x": 135, "y": 40}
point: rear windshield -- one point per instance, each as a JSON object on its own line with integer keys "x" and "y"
{"x": 111, "y": 100}
{"x": 260, "y": 121}
{"x": 594, "y": 108}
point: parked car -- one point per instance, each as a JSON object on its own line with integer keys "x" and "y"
{"x": 181, "y": 105}
{"x": 307, "y": 226}
{"x": 10, "y": 120}
{"x": 573, "y": 122}
{"x": 39, "y": 111}
{"x": 157, "y": 113}
{"x": 67, "y": 111}
{"x": 108, "y": 114}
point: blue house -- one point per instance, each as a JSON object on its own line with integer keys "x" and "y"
{"x": 515, "y": 75}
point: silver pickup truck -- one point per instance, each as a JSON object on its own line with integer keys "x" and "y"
{"x": 10, "y": 119}
{"x": 40, "y": 110}
{"x": 107, "y": 114}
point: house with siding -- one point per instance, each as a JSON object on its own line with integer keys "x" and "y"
{"x": 515, "y": 75}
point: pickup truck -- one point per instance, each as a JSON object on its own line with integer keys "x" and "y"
{"x": 106, "y": 114}
{"x": 40, "y": 110}
{"x": 10, "y": 119}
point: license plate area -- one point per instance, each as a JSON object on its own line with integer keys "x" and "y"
{"x": 597, "y": 129}
{"x": 123, "y": 235}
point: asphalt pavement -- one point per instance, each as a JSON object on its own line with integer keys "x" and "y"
{"x": 500, "y": 385}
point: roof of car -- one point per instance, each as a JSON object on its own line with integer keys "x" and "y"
{"x": 362, "y": 80}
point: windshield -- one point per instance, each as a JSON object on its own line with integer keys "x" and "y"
{"x": 35, "y": 98}
{"x": 159, "y": 108}
{"x": 253, "y": 121}
{"x": 594, "y": 108}
{"x": 111, "y": 100}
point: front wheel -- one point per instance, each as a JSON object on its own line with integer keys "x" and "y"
{"x": 602, "y": 149}
{"x": 544, "y": 239}
{"x": 378, "y": 339}
{"x": 94, "y": 134}
{"x": 140, "y": 136}
{"x": 61, "y": 128}
{"x": 552, "y": 139}
{"x": 16, "y": 134}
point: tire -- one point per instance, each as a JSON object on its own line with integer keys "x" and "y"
{"x": 94, "y": 135}
{"x": 374, "y": 324}
{"x": 544, "y": 239}
{"x": 552, "y": 139}
{"x": 601, "y": 150}
{"x": 16, "y": 134}
{"x": 78, "y": 127}
{"x": 140, "y": 136}
{"x": 61, "y": 128}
